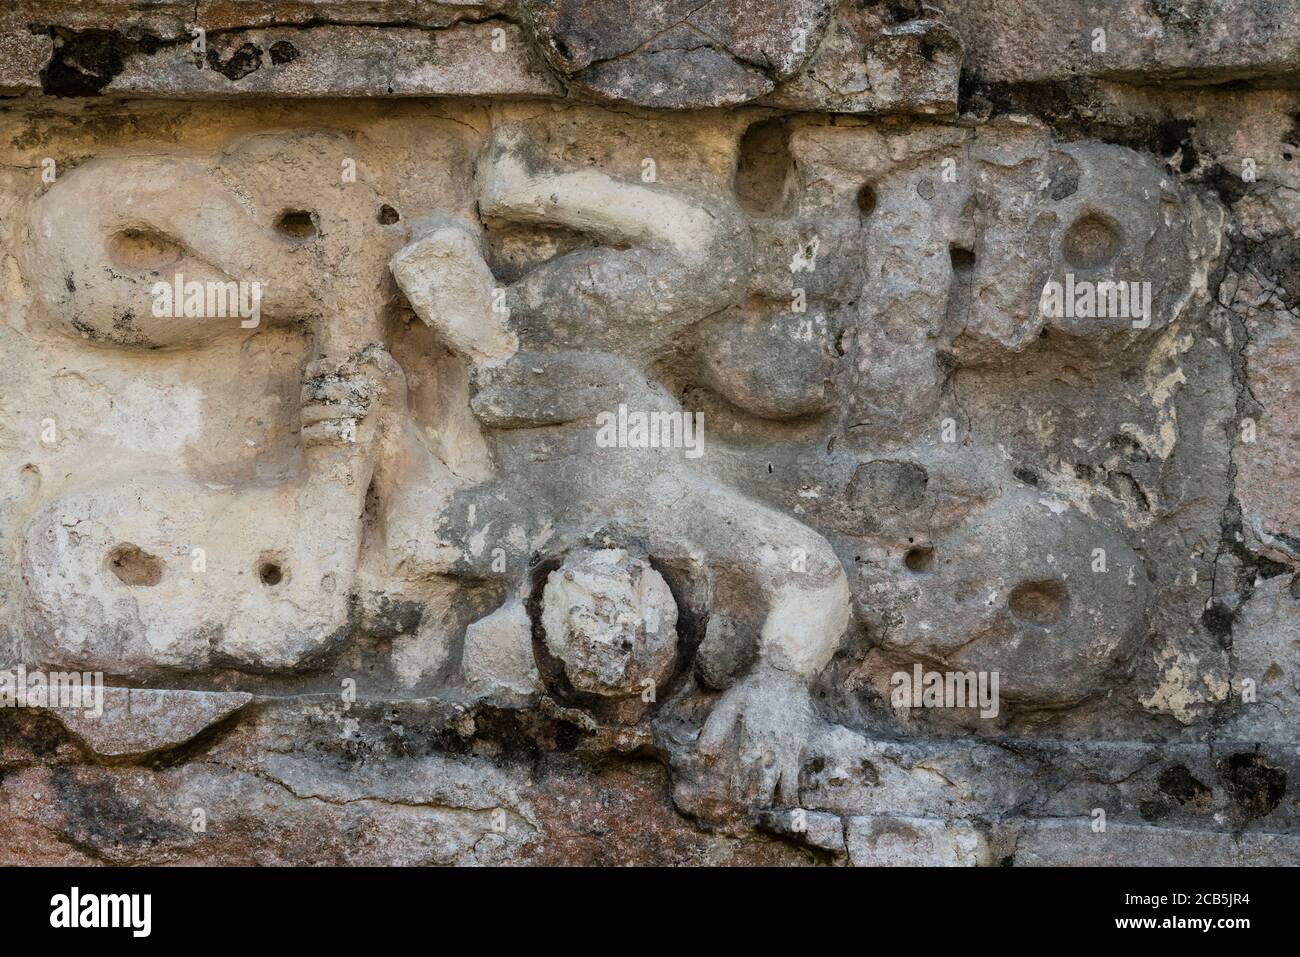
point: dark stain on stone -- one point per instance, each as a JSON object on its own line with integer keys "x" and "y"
{"x": 1229, "y": 186}
{"x": 1171, "y": 12}
{"x": 1127, "y": 487}
{"x": 86, "y": 61}
{"x": 1129, "y": 447}
{"x": 1026, "y": 475}
{"x": 1055, "y": 102}
{"x": 1063, "y": 177}
{"x": 245, "y": 60}
{"x": 1174, "y": 139}
{"x": 86, "y": 329}
{"x": 282, "y": 51}
{"x": 1178, "y": 783}
{"x": 100, "y": 817}
{"x": 1254, "y": 784}
{"x": 897, "y": 11}
{"x": 1218, "y": 619}
{"x": 396, "y": 616}
{"x": 1072, "y": 109}
{"x": 32, "y": 729}
{"x": 1150, "y": 810}
{"x": 1292, "y": 135}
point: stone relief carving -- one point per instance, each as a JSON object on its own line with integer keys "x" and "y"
{"x": 357, "y": 552}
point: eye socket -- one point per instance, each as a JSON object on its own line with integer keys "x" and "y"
{"x": 1091, "y": 241}
{"x": 132, "y": 565}
{"x": 270, "y": 572}
{"x": 143, "y": 249}
{"x": 867, "y": 199}
{"x": 919, "y": 559}
{"x": 299, "y": 225}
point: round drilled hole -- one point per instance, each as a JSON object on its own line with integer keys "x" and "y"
{"x": 1039, "y": 603}
{"x": 867, "y": 199}
{"x": 133, "y": 566}
{"x": 388, "y": 215}
{"x": 297, "y": 224}
{"x": 270, "y": 572}
{"x": 919, "y": 559}
{"x": 1091, "y": 242}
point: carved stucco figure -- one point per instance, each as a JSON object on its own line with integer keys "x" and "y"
{"x": 392, "y": 483}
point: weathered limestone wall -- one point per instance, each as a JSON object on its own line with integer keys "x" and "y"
{"x": 376, "y": 559}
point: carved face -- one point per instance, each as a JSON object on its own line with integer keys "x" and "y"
{"x": 273, "y": 210}
{"x": 158, "y": 573}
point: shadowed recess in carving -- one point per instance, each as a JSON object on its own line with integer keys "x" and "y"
{"x": 765, "y": 168}
{"x": 297, "y": 224}
{"x": 134, "y": 566}
{"x": 867, "y": 199}
{"x": 963, "y": 260}
{"x": 143, "y": 249}
{"x": 1091, "y": 242}
{"x": 920, "y": 558}
{"x": 270, "y": 572}
{"x": 1039, "y": 602}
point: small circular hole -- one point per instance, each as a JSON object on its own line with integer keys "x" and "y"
{"x": 270, "y": 573}
{"x": 920, "y": 558}
{"x": 388, "y": 215}
{"x": 867, "y": 199}
{"x": 297, "y": 224}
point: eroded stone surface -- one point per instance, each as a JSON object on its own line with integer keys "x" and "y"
{"x": 611, "y": 621}
{"x": 136, "y": 722}
{"x": 1139, "y": 41}
{"x": 914, "y": 842}
{"x": 805, "y": 55}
